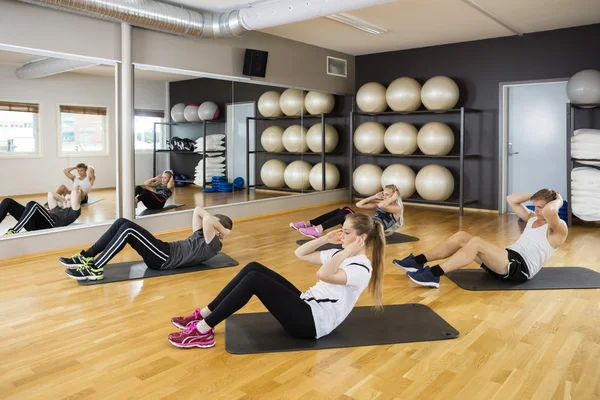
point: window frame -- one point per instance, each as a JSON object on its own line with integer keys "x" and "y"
{"x": 67, "y": 154}
{"x": 140, "y": 113}
{"x": 38, "y": 153}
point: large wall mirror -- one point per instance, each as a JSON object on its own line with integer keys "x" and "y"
{"x": 57, "y": 143}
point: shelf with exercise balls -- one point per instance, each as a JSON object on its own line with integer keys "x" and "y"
{"x": 401, "y": 140}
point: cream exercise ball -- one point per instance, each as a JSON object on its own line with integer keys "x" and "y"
{"x": 190, "y": 113}
{"x": 401, "y": 176}
{"x": 400, "y": 138}
{"x": 292, "y": 102}
{"x": 314, "y": 139}
{"x": 367, "y": 179}
{"x": 371, "y": 97}
{"x": 319, "y": 103}
{"x": 434, "y": 182}
{"x": 584, "y": 88}
{"x": 435, "y": 139}
{"x": 272, "y": 173}
{"x": 272, "y": 139}
{"x": 439, "y": 93}
{"x": 268, "y": 104}
{"x": 332, "y": 176}
{"x": 369, "y": 138}
{"x": 297, "y": 175}
{"x": 177, "y": 112}
{"x": 294, "y": 139}
{"x": 404, "y": 94}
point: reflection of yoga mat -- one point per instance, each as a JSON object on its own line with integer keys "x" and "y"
{"x": 399, "y": 323}
{"x": 549, "y": 278}
{"x": 91, "y": 201}
{"x": 392, "y": 239}
{"x": 149, "y": 211}
{"x": 138, "y": 270}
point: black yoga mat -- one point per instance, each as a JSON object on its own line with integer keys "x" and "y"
{"x": 149, "y": 211}
{"x": 549, "y": 278}
{"x": 400, "y": 323}
{"x": 138, "y": 270}
{"x": 392, "y": 239}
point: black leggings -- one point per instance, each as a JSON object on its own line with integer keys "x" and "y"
{"x": 281, "y": 298}
{"x": 332, "y": 218}
{"x": 149, "y": 198}
{"x": 32, "y": 217}
{"x": 122, "y": 232}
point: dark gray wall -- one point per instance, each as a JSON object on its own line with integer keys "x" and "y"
{"x": 478, "y": 67}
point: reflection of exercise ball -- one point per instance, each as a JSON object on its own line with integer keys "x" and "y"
{"x": 271, "y": 173}
{"x": 404, "y": 94}
{"x": 435, "y": 139}
{"x": 584, "y": 88}
{"x": 177, "y": 112}
{"x": 368, "y": 138}
{"x": 190, "y": 113}
{"x": 272, "y": 139}
{"x": 314, "y": 138}
{"x": 292, "y": 102}
{"x": 294, "y": 139}
{"x": 400, "y": 138}
{"x": 434, "y": 182}
{"x": 401, "y": 176}
{"x": 297, "y": 175}
{"x": 439, "y": 93}
{"x": 332, "y": 176}
{"x": 367, "y": 179}
{"x": 208, "y": 111}
{"x": 268, "y": 104}
{"x": 371, "y": 97}
{"x": 319, "y": 102}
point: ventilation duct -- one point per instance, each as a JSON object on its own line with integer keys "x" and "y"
{"x": 49, "y": 66}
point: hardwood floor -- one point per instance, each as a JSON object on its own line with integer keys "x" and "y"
{"x": 63, "y": 341}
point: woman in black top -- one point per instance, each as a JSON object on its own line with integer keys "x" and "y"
{"x": 163, "y": 186}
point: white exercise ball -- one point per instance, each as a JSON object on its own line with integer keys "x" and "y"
{"x": 190, "y": 113}
{"x": 367, "y": 179}
{"x": 292, "y": 102}
{"x": 400, "y": 138}
{"x": 178, "y": 112}
{"x": 404, "y": 94}
{"x": 294, "y": 139}
{"x": 272, "y": 173}
{"x": 435, "y": 139}
{"x": 401, "y": 176}
{"x": 371, "y": 97}
{"x": 369, "y": 138}
{"x": 208, "y": 111}
{"x": 314, "y": 138}
{"x": 272, "y": 139}
{"x": 332, "y": 176}
{"x": 584, "y": 88}
{"x": 268, "y": 104}
{"x": 434, "y": 182}
{"x": 319, "y": 103}
{"x": 297, "y": 175}
{"x": 440, "y": 93}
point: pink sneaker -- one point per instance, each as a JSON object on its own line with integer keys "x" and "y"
{"x": 311, "y": 232}
{"x": 298, "y": 225}
{"x": 184, "y": 322}
{"x": 191, "y": 337}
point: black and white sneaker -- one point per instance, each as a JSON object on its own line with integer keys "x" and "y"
{"x": 87, "y": 272}
{"x": 76, "y": 261}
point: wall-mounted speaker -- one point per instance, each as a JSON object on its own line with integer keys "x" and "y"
{"x": 255, "y": 63}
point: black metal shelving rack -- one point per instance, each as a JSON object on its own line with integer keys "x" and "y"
{"x": 461, "y": 112}
{"x": 571, "y": 110}
{"x": 322, "y": 118}
{"x": 203, "y": 154}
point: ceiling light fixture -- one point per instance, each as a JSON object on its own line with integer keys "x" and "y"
{"x": 357, "y": 23}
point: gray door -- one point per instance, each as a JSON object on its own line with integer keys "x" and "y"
{"x": 537, "y": 149}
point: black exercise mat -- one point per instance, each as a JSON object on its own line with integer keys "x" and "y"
{"x": 394, "y": 238}
{"x": 399, "y": 323}
{"x": 149, "y": 211}
{"x": 138, "y": 270}
{"x": 549, "y": 278}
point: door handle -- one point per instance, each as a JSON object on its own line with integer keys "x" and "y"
{"x": 510, "y": 152}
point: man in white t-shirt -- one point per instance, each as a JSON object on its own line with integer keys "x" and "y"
{"x": 82, "y": 182}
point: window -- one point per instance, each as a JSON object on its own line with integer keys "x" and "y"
{"x": 83, "y": 129}
{"x": 144, "y": 129}
{"x": 18, "y": 129}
